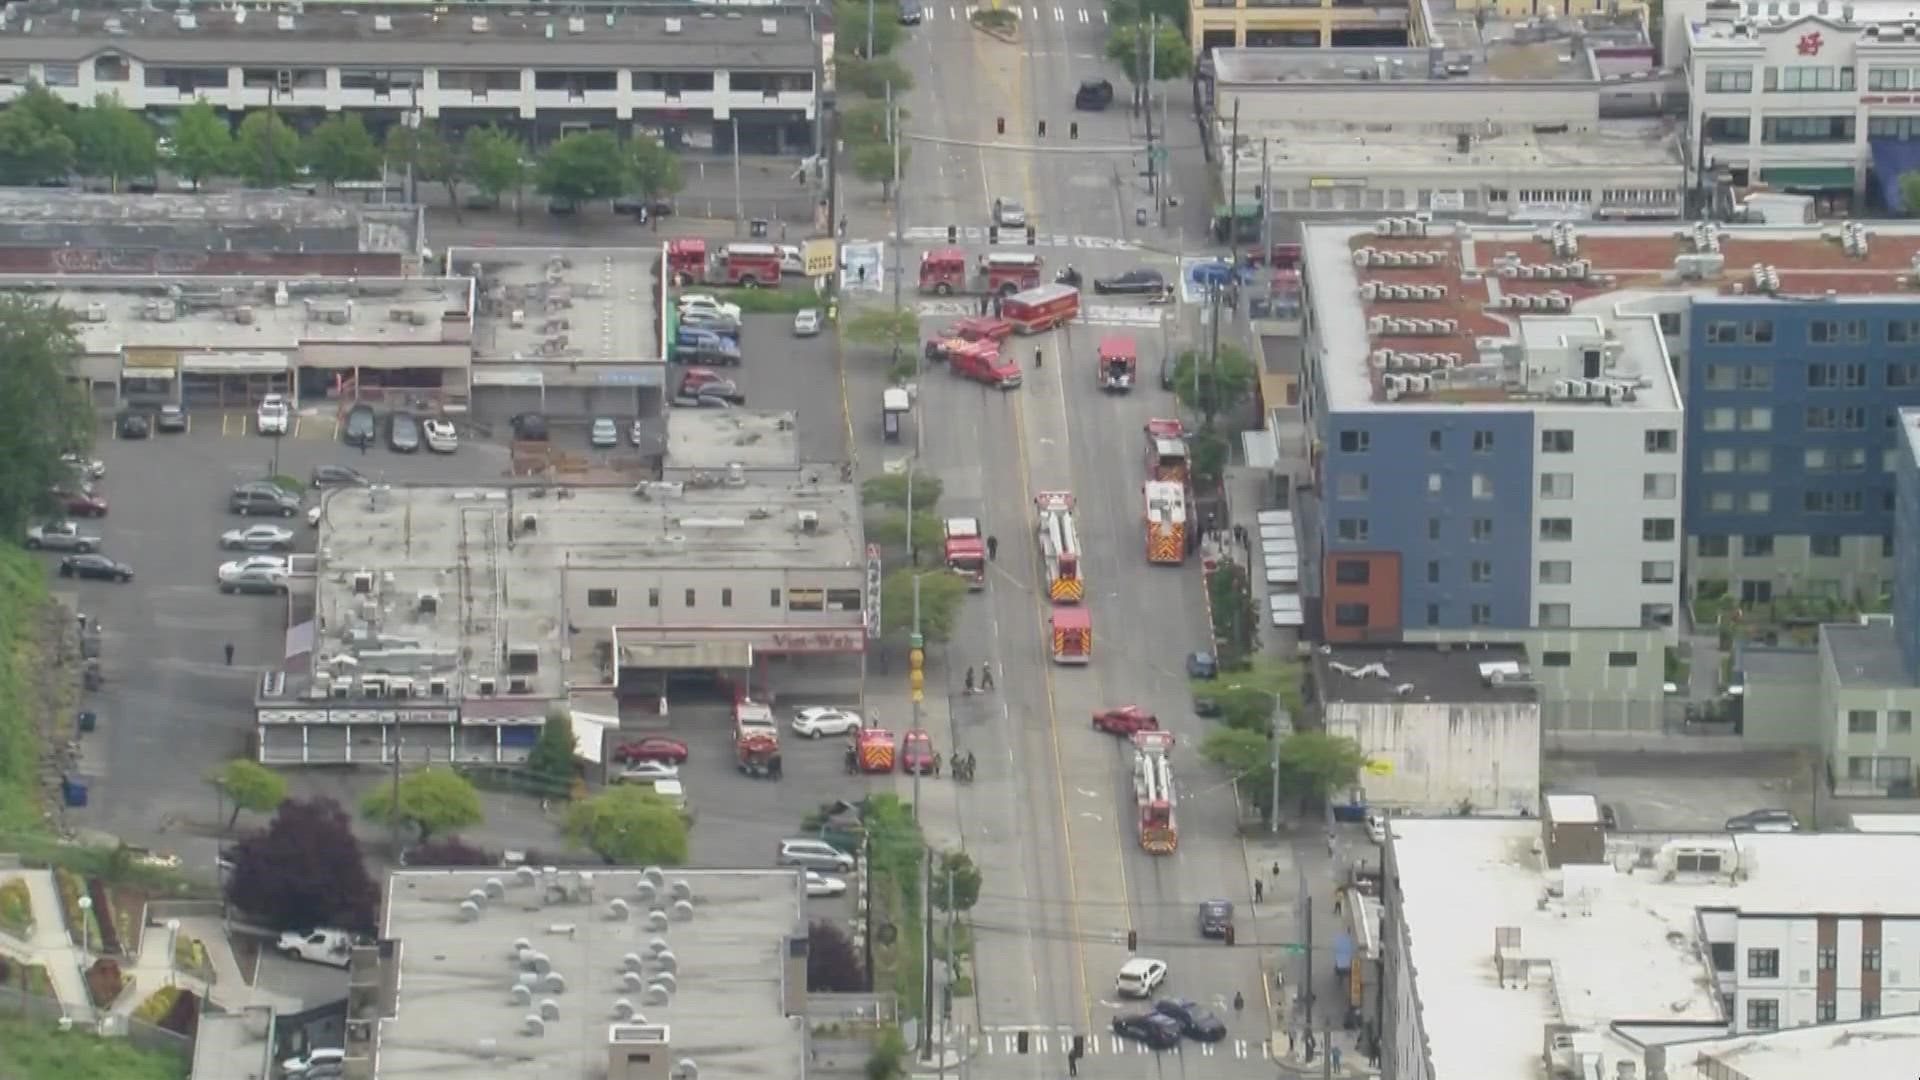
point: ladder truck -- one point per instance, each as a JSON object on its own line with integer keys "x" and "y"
{"x": 1167, "y": 450}
{"x": 1153, "y": 790}
{"x": 1166, "y": 522}
{"x": 1059, "y": 547}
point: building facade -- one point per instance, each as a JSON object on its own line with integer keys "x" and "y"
{"x": 1299, "y": 24}
{"x": 1782, "y": 971}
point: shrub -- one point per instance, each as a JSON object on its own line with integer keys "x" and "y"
{"x": 103, "y": 914}
{"x": 185, "y": 1015}
{"x": 16, "y": 908}
{"x": 158, "y": 1005}
{"x": 190, "y": 955}
{"x": 105, "y": 983}
{"x": 449, "y": 851}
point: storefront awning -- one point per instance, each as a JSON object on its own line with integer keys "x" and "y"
{"x": 506, "y": 376}
{"x": 1809, "y": 177}
{"x": 687, "y": 655}
{"x": 162, "y": 373}
{"x": 238, "y": 363}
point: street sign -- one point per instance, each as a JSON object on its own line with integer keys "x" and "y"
{"x": 872, "y": 598}
{"x": 821, "y": 257}
{"x": 1158, "y": 152}
{"x": 1294, "y": 950}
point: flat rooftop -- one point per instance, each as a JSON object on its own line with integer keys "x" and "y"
{"x": 499, "y": 587}
{"x": 1310, "y": 145}
{"x": 244, "y": 314}
{"x": 676, "y": 37}
{"x": 716, "y": 438}
{"x": 555, "y": 305}
{"x": 1617, "y": 946}
{"x": 1867, "y": 657}
{"x": 1409, "y": 673}
{"x": 1887, "y": 1047}
{"x": 454, "y": 1014}
{"x": 1462, "y": 292}
{"x": 220, "y": 221}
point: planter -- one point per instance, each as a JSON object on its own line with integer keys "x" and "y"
{"x": 105, "y": 982}
{"x": 1001, "y": 25}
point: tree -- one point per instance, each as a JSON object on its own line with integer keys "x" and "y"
{"x": 882, "y": 328}
{"x": 450, "y": 851}
{"x": 248, "y": 785}
{"x": 833, "y": 964}
{"x": 36, "y": 138}
{"x": 202, "y": 143}
{"x": 115, "y": 142}
{"x": 888, "y": 1058}
{"x": 43, "y": 411}
{"x": 1314, "y": 763}
{"x": 304, "y": 870}
{"x": 551, "y": 759}
{"x": 874, "y": 163}
{"x": 957, "y": 871}
{"x": 1172, "y": 59}
{"x": 940, "y": 596}
{"x": 1910, "y": 192}
{"x": 1127, "y": 12}
{"x": 1234, "y": 624}
{"x": 1209, "y": 453}
{"x": 630, "y": 826}
{"x": 888, "y": 528}
{"x": 890, "y": 489}
{"x": 1210, "y": 387}
{"x": 865, "y": 122}
{"x": 425, "y": 151}
{"x": 582, "y": 167}
{"x": 267, "y": 151}
{"x": 340, "y": 148}
{"x": 1247, "y": 699}
{"x": 656, "y": 170}
{"x": 435, "y": 800}
{"x": 850, "y": 29}
{"x": 495, "y": 161}
{"x": 872, "y": 77}
{"x": 1247, "y": 757}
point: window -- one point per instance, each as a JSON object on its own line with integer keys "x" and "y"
{"x": 1697, "y": 862}
{"x": 1352, "y": 571}
{"x": 1806, "y": 129}
{"x": 1662, "y": 441}
{"x": 1670, "y": 322}
{"x": 1722, "y": 376}
{"x": 1433, "y": 440}
{"x": 1482, "y": 486}
{"x": 1556, "y": 441}
{"x": 1556, "y": 658}
{"x": 1350, "y": 486}
{"x": 773, "y": 598}
{"x": 1719, "y": 419}
{"x": 1656, "y": 572}
{"x": 1823, "y": 1011}
{"x": 1870, "y": 958}
{"x": 1722, "y": 952}
{"x": 1720, "y": 332}
{"x": 1623, "y": 659}
{"x": 1556, "y": 572}
{"x": 1756, "y": 377}
{"x": 1717, "y": 460}
{"x": 1757, "y": 546}
{"x": 1556, "y": 529}
{"x": 1433, "y": 528}
{"x": 1837, "y": 376}
{"x": 690, "y": 596}
{"x": 1556, "y": 615}
{"x": 726, "y": 597}
{"x": 1756, "y": 459}
{"x": 1434, "y": 483}
{"x": 1756, "y": 591}
{"x": 603, "y": 597}
{"x": 1480, "y": 571}
{"x": 1731, "y": 80}
{"x": 1901, "y": 331}
{"x": 1355, "y": 442}
{"x": 1885, "y": 78}
{"x": 1808, "y": 79}
{"x": 1720, "y": 502}
{"x": 1869, "y": 1010}
{"x": 1756, "y": 418}
{"x": 1837, "y": 331}
{"x": 1827, "y": 957}
{"x": 1862, "y": 722}
{"x": 653, "y": 597}
{"x": 1352, "y": 530}
{"x": 1483, "y": 442}
{"x": 1757, "y": 502}
{"x": 1652, "y": 615}
{"x": 1480, "y": 615}
{"x": 1826, "y": 547}
{"x": 1433, "y": 571}
{"x": 1556, "y": 485}
{"x": 1659, "y": 485}
{"x": 1433, "y": 614}
{"x": 1763, "y": 963}
{"x": 806, "y": 600}
{"x": 1901, "y": 374}
{"x": 1350, "y": 614}
{"x": 1756, "y": 332}
{"x": 1711, "y": 546}
{"x": 1482, "y": 530}
{"x": 1763, "y": 1014}
{"x": 1831, "y": 502}
{"x": 1656, "y": 530}
{"x": 1899, "y": 721}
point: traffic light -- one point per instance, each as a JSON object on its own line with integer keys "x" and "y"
{"x": 953, "y": 234}
{"x": 1021, "y": 1041}
{"x": 1000, "y": 125}
{"x": 916, "y": 668}
{"x": 1043, "y": 129}
{"x": 1073, "y": 130}
{"x": 1133, "y": 941}
{"x": 1031, "y": 236}
{"x": 993, "y": 234}
{"x": 1079, "y": 1046}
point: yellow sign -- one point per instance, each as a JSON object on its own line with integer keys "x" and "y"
{"x": 822, "y": 257}
{"x": 1380, "y": 768}
{"x": 153, "y": 358}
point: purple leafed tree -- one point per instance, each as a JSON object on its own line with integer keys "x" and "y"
{"x": 304, "y": 870}
{"x": 833, "y": 965}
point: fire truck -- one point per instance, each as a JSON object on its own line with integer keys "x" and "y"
{"x": 1166, "y": 522}
{"x": 944, "y": 271}
{"x": 1153, "y": 791}
{"x": 981, "y": 361}
{"x": 756, "y": 739}
{"x": 686, "y": 261}
{"x": 1059, "y": 547}
{"x": 1071, "y": 629}
{"x": 1118, "y": 361}
{"x": 1041, "y": 309}
{"x": 1167, "y": 451}
{"x": 966, "y": 552}
{"x": 750, "y": 265}
{"x": 873, "y": 750}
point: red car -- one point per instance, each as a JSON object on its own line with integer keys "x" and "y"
{"x": 651, "y": 748}
{"x": 1125, "y": 720}
{"x": 916, "y": 753}
{"x": 979, "y": 328}
{"x": 81, "y": 504}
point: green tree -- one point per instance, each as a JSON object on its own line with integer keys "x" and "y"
{"x": 267, "y": 150}
{"x": 888, "y": 528}
{"x": 1209, "y": 453}
{"x": 629, "y": 826}
{"x": 1910, "y": 192}
{"x": 864, "y": 122}
{"x": 202, "y": 143}
{"x": 1211, "y": 388}
{"x": 656, "y": 169}
{"x": 1172, "y": 59}
{"x": 872, "y": 77}
{"x": 850, "y": 28}
{"x": 425, "y": 151}
{"x": 341, "y": 148}
{"x": 436, "y": 800}
{"x": 1313, "y": 764}
{"x": 495, "y": 161}
{"x": 37, "y": 138}
{"x": 874, "y": 163}
{"x": 941, "y": 594}
{"x": 551, "y": 759}
{"x": 115, "y": 142}
{"x": 1247, "y": 756}
{"x": 582, "y": 167}
{"x": 1127, "y": 12}
{"x": 43, "y": 411}
{"x": 1234, "y": 624}
{"x": 955, "y": 870}
{"x": 249, "y": 785}
{"x": 1247, "y": 699}
{"x": 882, "y": 328}
{"x": 888, "y": 1058}
{"x": 890, "y": 489}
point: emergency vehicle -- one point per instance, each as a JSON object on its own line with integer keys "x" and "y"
{"x": 966, "y": 552}
{"x": 1041, "y": 309}
{"x": 981, "y": 361}
{"x": 979, "y": 328}
{"x": 1167, "y": 451}
{"x": 745, "y": 264}
{"x": 756, "y": 739}
{"x": 1166, "y": 522}
{"x": 1071, "y": 629}
{"x": 1153, "y": 791}
{"x": 1119, "y": 359}
{"x": 945, "y": 271}
{"x": 686, "y": 261}
{"x": 873, "y": 749}
{"x": 1059, "y": 547}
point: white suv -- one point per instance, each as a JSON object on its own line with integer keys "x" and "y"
{"x": 1140, "y": 977}
{"x": 274, "y": 415}
{"x": 814, "y": 854}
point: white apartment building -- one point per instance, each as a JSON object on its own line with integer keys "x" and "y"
{"x": 1815, "y": 96}
{"x": 686, "y": 71}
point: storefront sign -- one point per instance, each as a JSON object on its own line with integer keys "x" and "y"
{"x": 357, "y": 716}
{"x": 873, "y": 590}
{"x": 1336, "y": 181}
{"x": 820, "y": 641}
{"x": 821, "y": 257}
{"x": 153, "y": 358}
{"x": 1449, "y": 202}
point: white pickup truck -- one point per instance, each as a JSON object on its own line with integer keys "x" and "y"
{"x": 61, "y": 536}
{"x": 333, "y": 947}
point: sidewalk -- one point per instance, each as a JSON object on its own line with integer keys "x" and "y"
{"x": 50, "y": 947}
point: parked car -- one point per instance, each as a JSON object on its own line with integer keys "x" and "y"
{"x": 1202, "y": 665}
{"x": 1125, "y": 720}
{"x": 1376, "y": 828}
{"x": 911, "y": 12}
{"x": 276, "y": 564}
{"x": 1159, "y": 1031}
{"x": 916, "y": 753}
{"x": 258, "y": 538}
{"x": 254, "y": 580}
{"x": 529, "y": 427}
{"x": 819, "y": 884}
{"x": 812, "y": 723}
{"x": 441, "y": 436}
{"x": 1139, "y": 977}
{"x": 1196, "y": 1021}
{"x": 604, "y": 433}
{"x": 707, "y": 303}
{"x": 87, "y": 468}
{"x": 274, "y": 416}
{"x": 326, "y": 1057}
{"x": 1009, "y": 214}
{"x": 333, "y": 947}
{"x": 645, "y": 772}
{"x": 82, "y": 504}
{"x": 134, "y": 425}
{"x": 1141, "y": 282}
{"x": 724, "y": 389}
{"x": 95, "y": 566}
{"x": 650, "y": 748}
{"x": 171, "y": 417}
{"x": 403, "y": 433}
{"x": 263, "y": 498}
{"x": 1771, "y": 821}
{"x": 326, "y": 476}
{"x": 813, "y": 853}
{"x": 806, "y": 322}
{"x": 360, "y": 428}
{"x": 61, "y": 536}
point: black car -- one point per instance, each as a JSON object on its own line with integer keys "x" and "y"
{"x": 1202, "y": 665}
{"x": 1141, "y": 282}
{"x": 403, "y": 433}
{"x": 135, "y": 425}
{"x": 911, "y": 12}
{"x": 360, "y": 426}
{"x": 1216, "y": 918}
{"x": 1196, "y": 1021}
{"x": 1153, "y": 1028}
{"x": 262, "y": 498}
{"x": 95, "y": 566}
{"x": 529, "y": 427}
{"x": 171, "y": 418}
{"x": 325, "y": 476}
{"x": 1094, "y": 95}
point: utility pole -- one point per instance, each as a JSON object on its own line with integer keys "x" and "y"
{"x": 1266, "y": 209}
{"x": 1146, "y": 93}
{"x": 393, "y": 810}
{"x": 946, "y": 991}
{"x": 1306, "y": 978}
{"x": 1273, "y": 814}
{"x": 899, "y": 221}
{"x": 868, "y": 55}
{"x": 739, "y": 211}
{"x": 1233, "y": 190}
{"x": 926, "y": 893}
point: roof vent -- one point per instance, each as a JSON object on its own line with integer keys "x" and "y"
{"x": 481, "y": 24}
{"x": 769, "y": 27}
{"x": 115, "y": 26}
{"x": 383, "y": 23}
{"x": 576, "y": 25}
{"x": 673, "y": 25}
{"x": 185, "y": 20}
{"x": 284, "y": 22}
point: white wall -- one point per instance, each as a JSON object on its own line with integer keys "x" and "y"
{"x": 752, "y": 596}
{"x": 1485, "y": 754}
{"x": 1410, "y": 105}
{"x": 1797, "y": 987}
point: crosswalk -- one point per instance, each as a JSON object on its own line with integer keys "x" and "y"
{"x": 1029, "y": 13}
{"x": 1144, "y": 318}
{"x": 1005, "y": 1042}
{"x": 1013, "y": 238}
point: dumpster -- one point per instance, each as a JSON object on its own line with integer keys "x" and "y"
{"x": 73, "y": 791}
{"x": 87, "y": 721}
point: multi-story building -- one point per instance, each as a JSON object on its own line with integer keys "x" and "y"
{"x": 1298, "y": 24}
{"x": 1806, "y": 95}
{"x": 1493, "y": 463}
{"x": 691, "y": 72}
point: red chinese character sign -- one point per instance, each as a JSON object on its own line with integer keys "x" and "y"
{"x": 1810, "y": 44}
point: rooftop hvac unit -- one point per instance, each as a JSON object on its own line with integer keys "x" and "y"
{"x": 1377, "y": 324}
{"x": 1364, "y": 257}
{"x": 1395, "y": 385}
{"x": 480, "y": 24}
{"x": 576, "y": 25}
{"x": 1509, "y": 271}
{"x": 1619, "y": 392}
{"x": 1449, "y": 326}
{"x": 1369, "y": 291}
{"x": 1418, "y": 384}
{"x": 1386, "y": 358}
{"x": 383, "y": 23}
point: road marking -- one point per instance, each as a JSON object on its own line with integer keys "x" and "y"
{"x": 1092, "y": 314}
{"x": 1015, "y": 238}
{"x": 1085, "y": 16}
{"x": 1059, "y": 15}
{"x": 1104, "y": 18}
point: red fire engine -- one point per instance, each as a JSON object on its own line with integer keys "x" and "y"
{"x": 1041, "y": 309}
{"x": 944, "y": 271}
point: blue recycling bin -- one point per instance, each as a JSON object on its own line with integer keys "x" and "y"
{"x": 87, "y": 721}
{"x": 73, "y": 792}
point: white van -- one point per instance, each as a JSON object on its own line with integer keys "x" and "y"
{"x": 326, "y": 1059}
{"x": 673, "y": 791}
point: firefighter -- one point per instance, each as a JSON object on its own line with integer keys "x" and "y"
{"x": 969, "y": 680}
{"x": 993, "y": 548}
{"x": 853, "y": 758}
{"x": 986, "y": 676}
{"x": 1039, "y": 358}
{"x": 1239, "y": 1001}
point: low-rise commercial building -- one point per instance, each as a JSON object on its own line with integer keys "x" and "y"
{"x": 1521, "y": 948}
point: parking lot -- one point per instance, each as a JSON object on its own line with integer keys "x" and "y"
{"x": 781, "y": 371}
{"x": 1685, "y": 792}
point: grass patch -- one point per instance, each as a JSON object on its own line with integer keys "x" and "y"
{"x": 23, "y": 592}
{"x": 774, "y": 301}
{"x": 1678, "y": 668}
{"x": 292, "y": 485}
{"x": 114, "y": 865}
{"x": 16, "y": 909}
{"x": 42, "y": 1052}
{"x": 894, "y": 851}
{"x": 30, "y": 979}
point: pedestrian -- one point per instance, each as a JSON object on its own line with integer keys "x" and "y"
{"x": 1276, "y": 868}
{"x": 1311, "y": 1044}
{"x": 986, "y": 675}
{"x": 783, "y": 232}
{"x": 229, "y": 652}
{"x": 1228, "y": 937}
{"x": 1330, "y": 847}
{"x": 1039, "y": 358}
{"x": 1073, "y": 1064}
{"x": 1259, "y": 890}
{"x": 1336, "y": 903}
{"x": 1373, "y": 1051}
{"x": 1289, "y": 1043}
{"x": 969, "y": 680}
{"x": 1239, "y": 1001}
{"x": 1333, "y": 1054}
{"x": 993, "y": 548}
